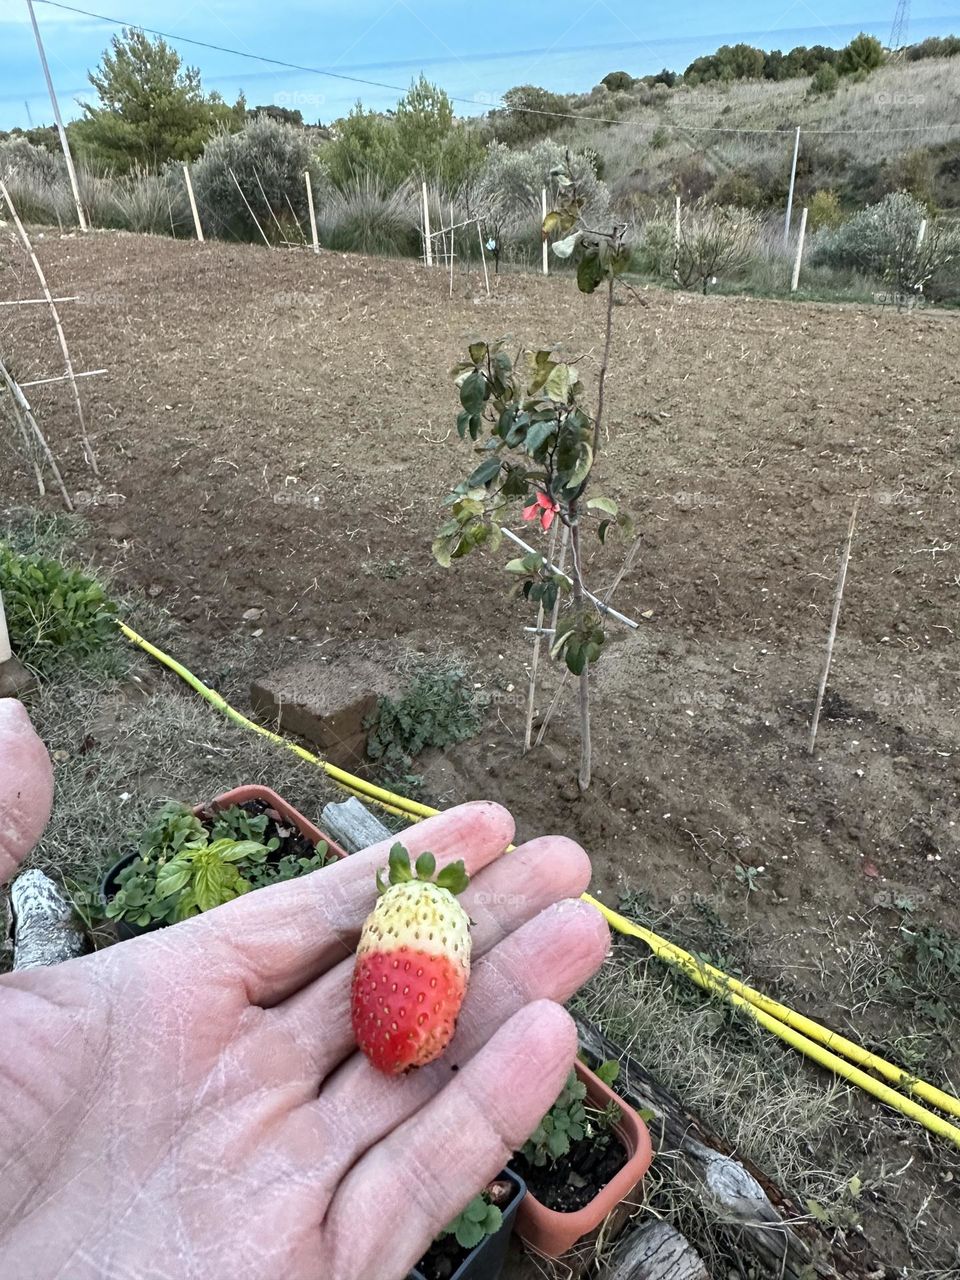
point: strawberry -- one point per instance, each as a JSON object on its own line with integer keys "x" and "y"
{"x": 413, "y": 963}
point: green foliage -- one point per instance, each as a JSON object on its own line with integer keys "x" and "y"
{"x": 33, "y": 163}
{"x": 825, "y": 82}
{"x": 528, "y": 114}
{"x": 182, "y": 868}
{"x": 508, "y": 188}
{"x": 453, "y": 877}
{"x": 934, "y": 47}
{"x": 438, "y": 709}
{"x": 477, "y": 1221}
{"x": 618, "y": 80}
{"x": 268, "y": 160}
{"x": 152, "y": 108}
{"x": 824, "y": 210}
{"x": 565, "y": 1123}
{"x": 420, "y": 139}
{"x": 864, "y": 53}
{"x": 714, "y": 242}
{"x": 365, "y": 217}
{"x": 883, "y": 240}
{"x": 55, "y": 614}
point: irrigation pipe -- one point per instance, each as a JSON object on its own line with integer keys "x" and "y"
{"x": 804, "y": 1034}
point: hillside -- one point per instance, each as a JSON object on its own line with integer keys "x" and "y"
{"x": 896, "y": 128}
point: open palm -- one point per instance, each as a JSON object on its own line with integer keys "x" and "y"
{"x": 191, "y": 1104}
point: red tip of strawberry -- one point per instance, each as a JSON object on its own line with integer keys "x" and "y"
{"x": 413, "y": 964}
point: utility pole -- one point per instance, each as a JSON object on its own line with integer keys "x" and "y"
{"x": 901, "y": 23}
{"x": 793, "y": 181}
{"x": 59, "y": 119}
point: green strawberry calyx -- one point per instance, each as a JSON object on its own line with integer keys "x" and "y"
{"x": 453, "y": 877}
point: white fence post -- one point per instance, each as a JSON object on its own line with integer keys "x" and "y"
{"x": 546, "y": 256}
{"x": 795, "y": 280}
{"x": 313, "y": 213}
{"x": 428, "y": 248}
{"x": 793, "y": 182}
{"x": 193, "y": 203}
{"x": 922, "y": 232}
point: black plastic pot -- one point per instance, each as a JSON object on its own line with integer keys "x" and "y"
{"x": 485, "y": 1262}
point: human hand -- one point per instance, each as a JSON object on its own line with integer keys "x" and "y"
{"x": 191, "y": 1104}
{"x": 26, "y": 786}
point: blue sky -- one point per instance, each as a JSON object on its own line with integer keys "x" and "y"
{"x": 476, "y": 51}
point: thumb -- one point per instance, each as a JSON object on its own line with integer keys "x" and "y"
{"x": 26, "y": 786}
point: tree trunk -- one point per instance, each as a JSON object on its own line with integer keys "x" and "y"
{"x": 655, "y": 1251}
{"x": 44, "y": 925}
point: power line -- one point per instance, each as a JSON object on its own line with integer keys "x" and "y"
{"x": 533, "y": 111}
{"x": 898, "y": 32}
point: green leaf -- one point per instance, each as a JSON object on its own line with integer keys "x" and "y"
{"x": 442, "y": 552}
{"x": 602, "y": 528}
{"x": 603, "y": 504}
{"x": 558, "y": 384}
{"x": 516, "y": 566}
{"x": 172, "y": 878}
{"x": 551, "y": 224}
{"x": 608, "y": 1071}
{"x": 478, "y": 352}
{"x": 582, "y": 468}
{"x": 399, "y": 865}
{"x": 590, "y": 272}
{"x": 453, "y": 877}
{"x": 538, "y": 434}
{"x": 209, "y": 885}
{"x": 426, "y": 865}
{"x": 473, "y": 393}
{"x": 487, "y": 471}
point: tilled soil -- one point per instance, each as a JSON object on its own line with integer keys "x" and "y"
{"x": 275, "y": 431}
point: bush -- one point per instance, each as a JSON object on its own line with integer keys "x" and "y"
{"x": 35, "y": 164}
{"x": 509, "y": 186}
{"x": 54, "y": 614}
{"x": 529, "y": 113}
{"x": 868, "y": 240}
{"x": 715, "y": 242}
{"x": 825, "y": 82}
{"x": 824, "y": 210}
{"x": 863, "y": 54}
{"x": 268, "y": 160}
{"x": 738, "y": 188}
{"x": 618, "y": 80}
{"x": 367, "y": 218}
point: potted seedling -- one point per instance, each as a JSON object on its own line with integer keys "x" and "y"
{"x": 474, "y": 1245}
{"x": 587, "y": 1154}
{"x": 192, "y": 860}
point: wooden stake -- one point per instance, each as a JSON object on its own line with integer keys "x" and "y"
{"x": 269, "y": 207}
{"x": 25, "y": 240}
{"x": 532, "y": 691}
{"x": 313, "y": 213}
{"x": 483, "y": 258}
{"x": 828, "y": 657}
{"x": 795, "y": 279}
{"x": 546, "y": 256}
{"x": 193, "y": 203}
{"x": 428, "y": 247}
{"x": 21, "y": 406}
{"x": 250, "y": 211}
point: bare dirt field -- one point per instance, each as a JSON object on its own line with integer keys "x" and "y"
{"x": 279, "y": 430}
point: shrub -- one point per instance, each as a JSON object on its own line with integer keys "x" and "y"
{"x": 825, "y": 82}
{"x": 715, "y": 242}
{"x": 615, "y": 80}
{"x": 869, "y": 240}
{"x": 824, "y": 210}
{"x": 36, "y": 164}
{"x": 508, "y": 190}
{"x": 438, "y": 709}
{"x": 268, "y": 160}
{"x": 863, "y": 54}
{"x": 54, "y": 614}
{"x": 528, "y": 113}
{"x": 364, "y": 217}
{"x": 738, "y": 189}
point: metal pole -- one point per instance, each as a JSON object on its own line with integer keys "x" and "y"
{"x": 922, "y": 232}
{"x": 795, "y": 279}
{"x": 59, "y": 119}
{"x": 793, "y": 181}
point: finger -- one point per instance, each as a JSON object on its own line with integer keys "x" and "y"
{"x": 499, "y": 900}
{"x": 26, "y": 786}
{"x": 409, "y": 1186}
{"x": 280, "y": 938}
{"x": 549, "y": 958}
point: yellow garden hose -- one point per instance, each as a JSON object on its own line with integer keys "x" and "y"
{"x": 804, "y": 1034}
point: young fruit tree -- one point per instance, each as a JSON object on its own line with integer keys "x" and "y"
{"x": 537, "y": 444}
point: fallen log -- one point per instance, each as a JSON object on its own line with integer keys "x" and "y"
{"x": 655, "y": 1251}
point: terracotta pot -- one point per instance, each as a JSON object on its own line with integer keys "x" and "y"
{"x": 486, "y": 1261}
{"x": 239, "y": 795}
{"x": 552, "y": 1233}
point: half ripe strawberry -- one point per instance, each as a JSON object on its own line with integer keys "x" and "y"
{"x": 413, "y": 964}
